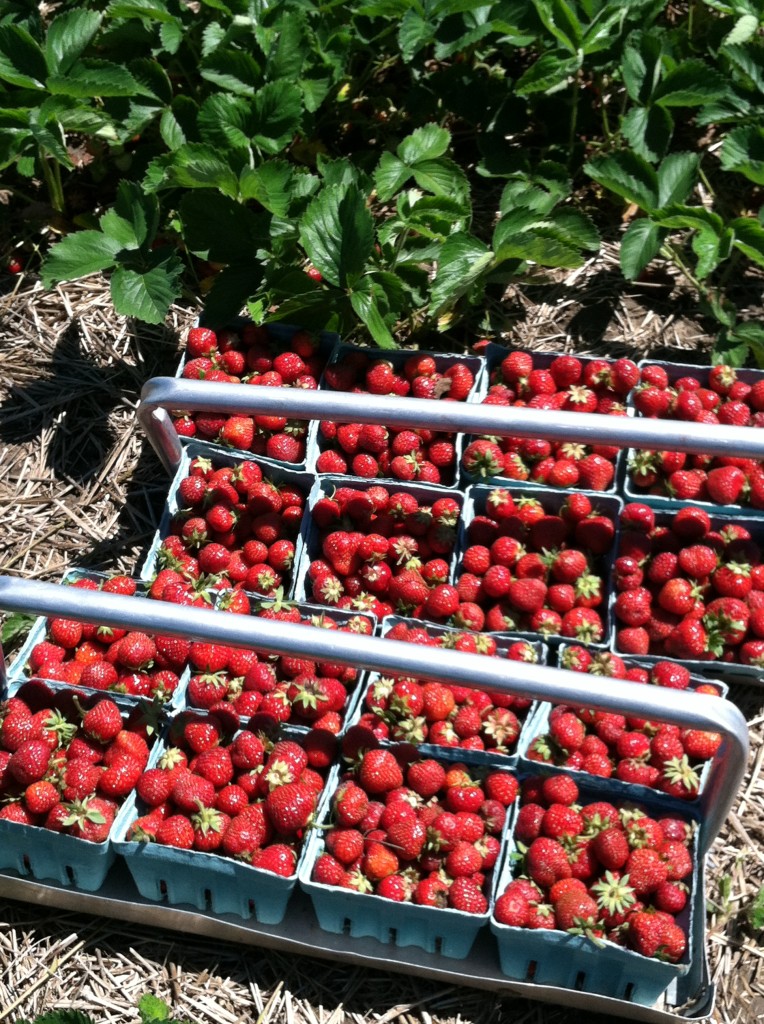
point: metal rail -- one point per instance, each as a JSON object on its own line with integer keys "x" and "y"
{"x": 163, "y": 394}
{"x": 688, "y": 710}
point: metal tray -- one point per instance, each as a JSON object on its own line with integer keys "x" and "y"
{"x": 300, "y": 933}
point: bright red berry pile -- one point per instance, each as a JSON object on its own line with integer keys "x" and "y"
{"x": 369, "y": 450}
{"x": 631, "y": 749}
{"x": 106, "y": 658}
{"x": 277, "y": 689}
{"x": 567, "y": 383}
{"x": 716, "y": 396}
{"x": 525, "y": 568}
{"x": 688, "y": 587}
{"x": 416, "y": 832}
{"x": 251, "y": 356}
{"x": 381, "y": 550}
{"x": 217, "y": 793}
{"x": 403, "y": 708}
{"x": 596, "y": 869}
{"x": 67, "y": 765}
{"x": 235, "y": 527}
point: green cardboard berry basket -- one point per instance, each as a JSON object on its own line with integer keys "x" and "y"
{"x": 674, "y": 372}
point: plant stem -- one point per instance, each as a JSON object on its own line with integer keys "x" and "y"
{"x": 573, "y": 118}
{"x": 603, "y": 108}
{"x": 51, "y": 172}
{"x": 669, "y": 252}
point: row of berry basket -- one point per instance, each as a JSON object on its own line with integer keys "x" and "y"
{"x": 452, "y": 557}
{"x": 218, "y": 885}
{"x": 441, "y": 721}
{"x": 540, "y": 380}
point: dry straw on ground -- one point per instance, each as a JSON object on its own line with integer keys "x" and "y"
{"x": 79, "y": 486}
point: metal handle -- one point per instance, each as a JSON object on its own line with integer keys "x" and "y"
{"x": 688, "y": 710}
{"x": 165, "y": 393}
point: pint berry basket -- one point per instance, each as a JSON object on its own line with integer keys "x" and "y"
{"x": 174, "y": 509}
{"x": 499, "y": 754}
{"x": 523, "y": 471}
{"x": 46, "y": 855}
{"x": 443, "y": 930}
{"x": 481, "y": 526}
{"x": 579, "y": 962}
{"x": 207, "y": 881}
{"x": 277, "y": 336}
{"x": 347, "y": 357}
{"x": 20, "y": 670}
{"x": 659, "y": 494}
{"x": 738, "y": 661}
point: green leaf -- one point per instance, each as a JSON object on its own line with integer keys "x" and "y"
{"x": 413, "y": 33}
{"x": 640, "y": 65}
{"x": 676, "y": 177}
{"x": 463, "y": 259}
{"x": 426, "y": 143}
{"x": 91, "y": 77}
{"x": 198, "y": 166}
{"x": 675, "y": 215}
{"x": 269, "y": 184}
{"x": 119, "y": 229}
{"x": 749, "y": 238}
{"x": 276, "y": 115}
{"x": 628, "y": 175}
{"x": 234, "y": 70}
{"x": 744, "y": 29}
{"x": 541, "y": 243}
{"x": 548, "y": 74}
{"x": 577, "y": 228}
{"x": 364, "y": 304}
{"x": 224, "y": 121}
{"x": 752, "y": 335}
{"x": 141, "y": 211}
{"x": 340, "y": 171}
{"x": 390, "y": 176}
{"x": 442, "y": 177}
{"x": 170, "y": 129}
{"x": 147, "y": 295}
{"x": 153, "y": 78}
{"x": 22, "y": 62}
{"x": 15, "y": 626}
{"x": 78, "y": 255}
{"x": 728, "y": 350}
{"x": 743, "y": 151}
{"x": 152, "y": 1010}
{"x": 705, "y": 245}
{"x": 287, "y": 57}
{"x": 171, "y": 34}
{"x": 219, "y": 229}
{"x": 649, "y": 130}
{"x": 231, "y": 290}
{"x": 558, "y": 18}
{"x": 68, "y": 37}
{"x": 64, "y": 1017}
{"x": 690, "y": 84}
{"x": 153, "y": 10}
{"x": 640, "y": 244}
{"x": 749, "y": 62}
{"x": 337, "y": 233}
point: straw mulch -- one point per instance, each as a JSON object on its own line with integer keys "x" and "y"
{"x": 80, "y": 487}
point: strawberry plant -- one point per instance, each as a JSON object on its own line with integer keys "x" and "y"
{"x": 383, "y": 170}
